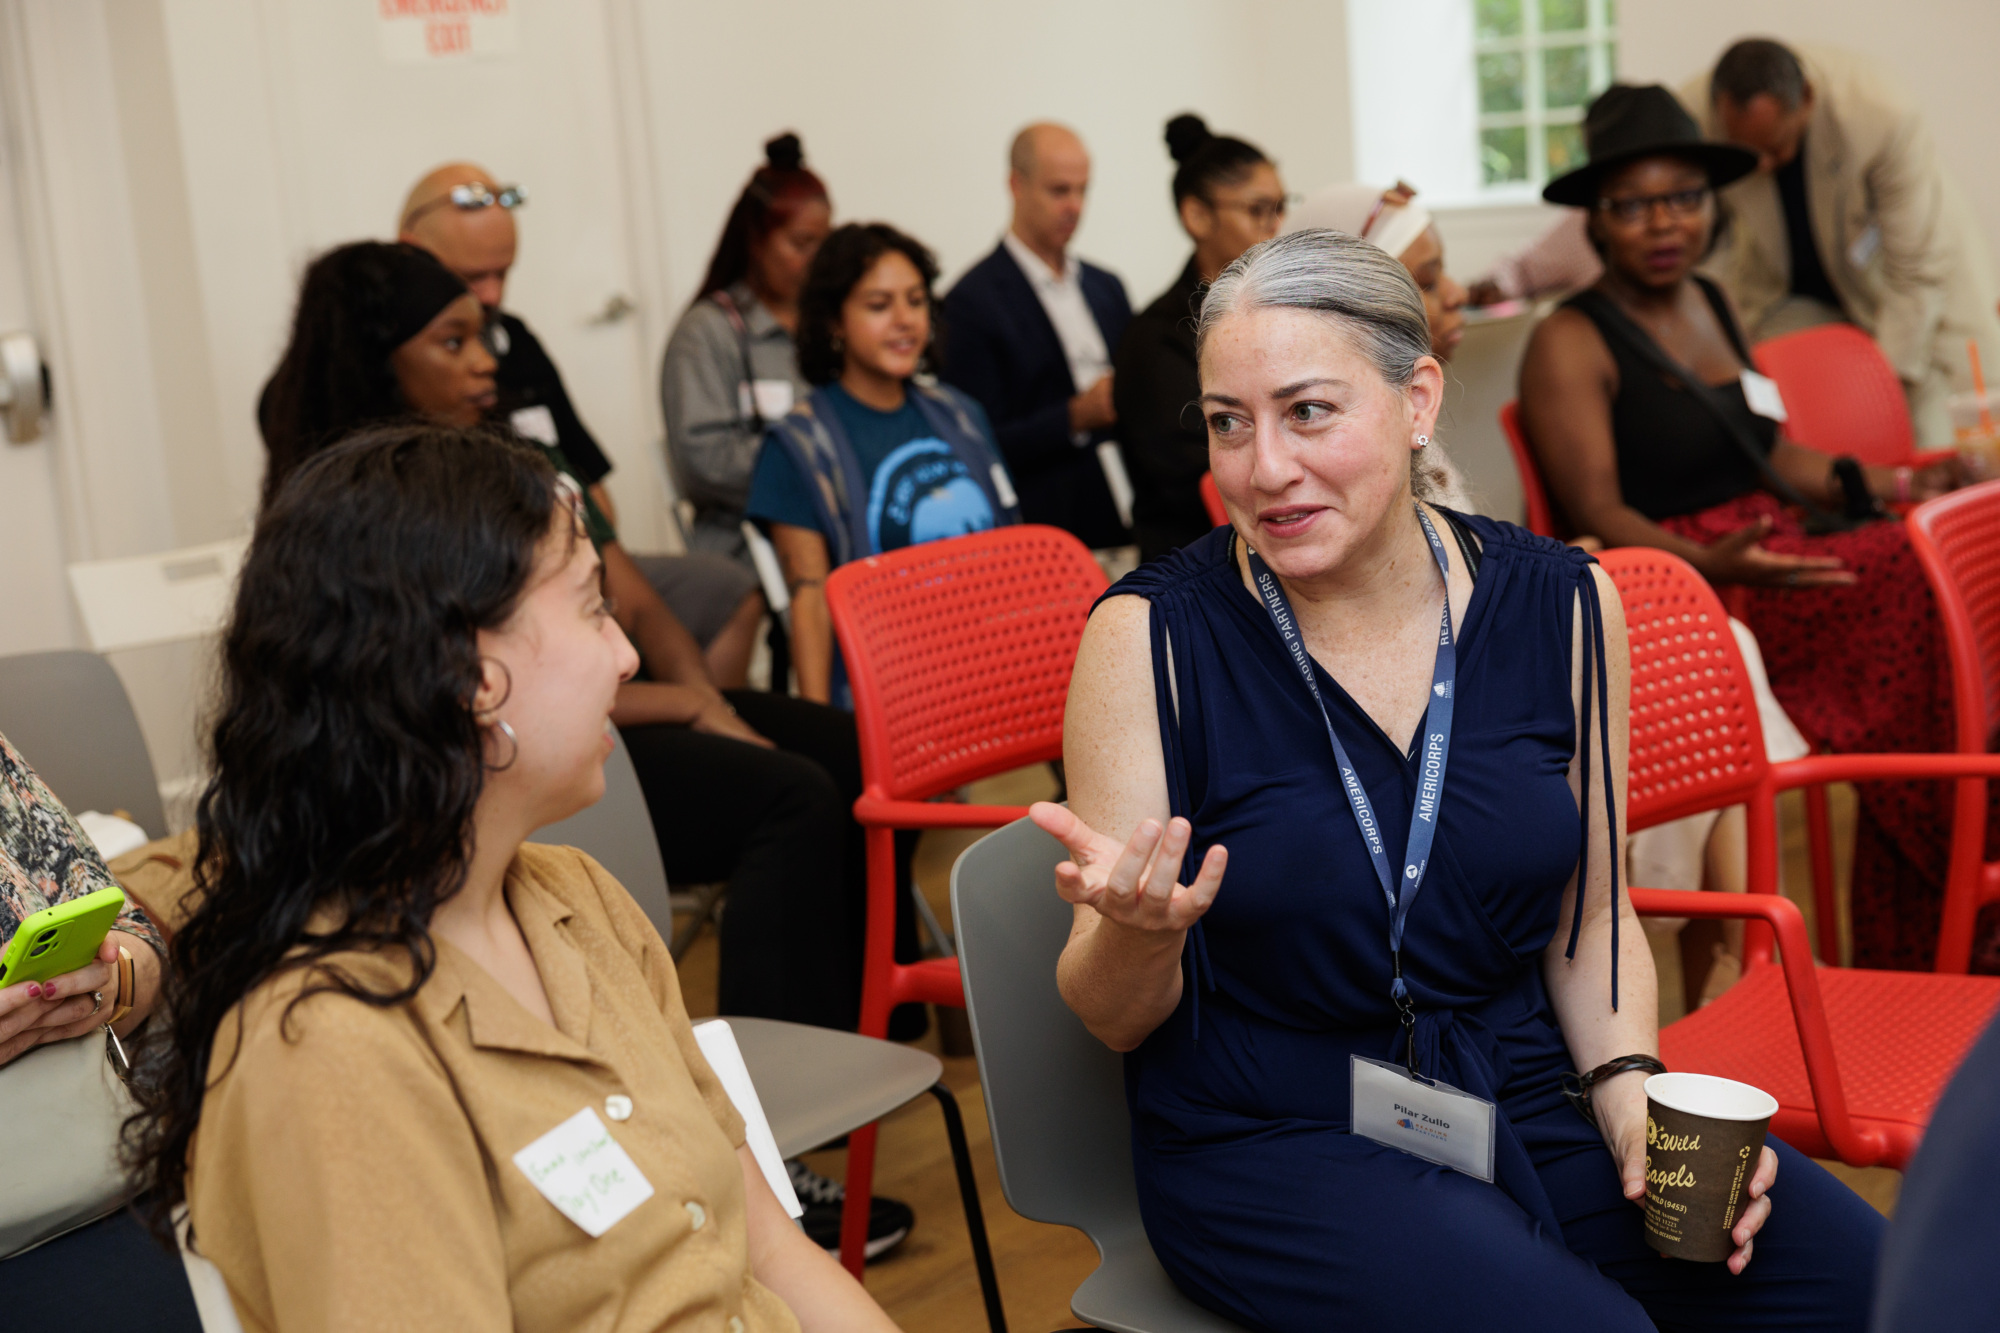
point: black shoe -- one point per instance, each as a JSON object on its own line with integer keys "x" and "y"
{"x": 889, "y": 1220}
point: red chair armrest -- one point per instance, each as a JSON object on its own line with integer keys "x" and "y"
{"x": 874, "y": 812}
{"x": 1802, "y": 983}
{"x": 1818, "y": 768}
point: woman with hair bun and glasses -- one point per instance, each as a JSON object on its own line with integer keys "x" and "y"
{"x": 1346, "y": 780}
{"x": 1228, "y": 197}
{"x": 1652, "y": 428}
{"x": 730, "y": 367}
{"x": 398, "y": 1022}
{"x": 875, "y": 459}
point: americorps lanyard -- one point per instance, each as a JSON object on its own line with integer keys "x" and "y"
{"x": 1400, "y": 891}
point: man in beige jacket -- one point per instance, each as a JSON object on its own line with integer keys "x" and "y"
{"x": 1850, "y": 216}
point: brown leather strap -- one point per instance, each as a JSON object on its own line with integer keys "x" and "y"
{"x": 128, "y": 990}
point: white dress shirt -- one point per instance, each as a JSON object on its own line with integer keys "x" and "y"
{"x": 1061, "y": 295}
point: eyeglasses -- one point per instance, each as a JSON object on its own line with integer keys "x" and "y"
{"x": 1263, "y": 212}
{"x": 471, "y": 198}
{"x": 1639, "y": 207}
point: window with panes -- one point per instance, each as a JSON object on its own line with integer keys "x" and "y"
{"x": 1538, "y": 64}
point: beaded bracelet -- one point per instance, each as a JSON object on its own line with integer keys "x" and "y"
{"x": 1577, "y": 1089}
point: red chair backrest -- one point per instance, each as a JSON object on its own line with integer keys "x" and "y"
{"x": 1957, "y": 540}
{"x": 1211, "y": 500}
{"x": 1541, "y": 518}
{"x": 959, "y": 652}
{"x": 1696, "y": 740}
{"x": 1841, "y": 394}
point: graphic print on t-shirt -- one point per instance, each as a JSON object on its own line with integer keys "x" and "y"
{"x": 922, "y": 493}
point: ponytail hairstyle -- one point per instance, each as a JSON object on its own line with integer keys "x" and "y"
{"x": 1206, "y": 159}
{"x": 347, "y": 760}
{"x": 772, "y": 198}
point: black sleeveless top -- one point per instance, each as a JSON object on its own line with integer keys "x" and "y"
{"x": 1674, "y": 455}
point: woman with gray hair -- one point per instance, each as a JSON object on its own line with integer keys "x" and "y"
{"x": 1423, "y": 922}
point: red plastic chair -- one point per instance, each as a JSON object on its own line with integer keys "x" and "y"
{"x": 1957, "y": 539}
{"x": 1541, "y": 516}
{"x": 1855, "y": 1058}
{"x": 1842, "y": 396}
{"x": 959, "y": 653}
{"x": 1211, "y": 500}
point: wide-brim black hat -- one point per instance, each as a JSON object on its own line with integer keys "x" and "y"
{"x": 1627, "y": 123}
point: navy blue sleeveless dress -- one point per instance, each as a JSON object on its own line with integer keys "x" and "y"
{"x": 1257, "y": 1199}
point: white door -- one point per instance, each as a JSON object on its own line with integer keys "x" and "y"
{"x": 304, "y": 130}
{"x": 35, "y": 609}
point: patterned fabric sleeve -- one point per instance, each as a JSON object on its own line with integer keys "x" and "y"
{"x": 45, "y": 857}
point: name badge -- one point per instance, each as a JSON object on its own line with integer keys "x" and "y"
{"x": 1865, "y": 245}
{"x": 771, "y": 398}
{"x": 1761, "y": 392}
{"x": 580, "y": 1169}
{"x": 1433, "y": 1121}
{"x": 1003, "y": 486}
{"x": 537, "y": 424}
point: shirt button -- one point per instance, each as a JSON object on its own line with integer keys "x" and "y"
{"x": 697, "y": 1214}
{"x": 618, "y": 1106}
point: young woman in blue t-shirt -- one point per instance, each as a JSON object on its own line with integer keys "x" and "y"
{"x": 873, "y": 459}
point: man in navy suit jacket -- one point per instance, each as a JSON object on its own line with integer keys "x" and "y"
{"x": 1030, "y": 330}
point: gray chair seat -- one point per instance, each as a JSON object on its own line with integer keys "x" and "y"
{"x": 817, "y": 1085}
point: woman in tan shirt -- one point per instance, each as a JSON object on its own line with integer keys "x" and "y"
{"x": 423, "y": 1075}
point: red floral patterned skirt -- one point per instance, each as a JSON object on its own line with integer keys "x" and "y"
{"x": 1864, "y": 668}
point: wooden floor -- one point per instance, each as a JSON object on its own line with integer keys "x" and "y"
{"x": 927, "y": 1284}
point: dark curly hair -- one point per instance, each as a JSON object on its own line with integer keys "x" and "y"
{"x": 346, "y": 757}
{"x": 773, "y": 197}
{"x": 843, "y": 260}
{"x": 1206, "y": 159}
{"x": 356, "y": 305}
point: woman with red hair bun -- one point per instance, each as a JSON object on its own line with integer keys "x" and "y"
{"x": 730, "y": 368}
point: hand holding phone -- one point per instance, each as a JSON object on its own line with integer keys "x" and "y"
{"x": 53, "y": 970}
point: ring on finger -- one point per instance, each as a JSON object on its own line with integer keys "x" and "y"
{"x": 96, "y": 1002}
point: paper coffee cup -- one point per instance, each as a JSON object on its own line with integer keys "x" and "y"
{"x": 1704, "y": 1136}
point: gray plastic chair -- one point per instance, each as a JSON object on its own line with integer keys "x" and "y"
{"x": 68, "y": 716}
{"x": 815, "y": 1084}
{"x": 1055, "y": 1095}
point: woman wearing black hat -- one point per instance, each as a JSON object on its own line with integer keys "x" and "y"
{"x": 1652, "y": 429}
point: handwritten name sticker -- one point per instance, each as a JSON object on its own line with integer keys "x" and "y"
{"x": 580, "y": 1169}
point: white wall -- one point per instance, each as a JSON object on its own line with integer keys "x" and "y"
{"x": 1943, "y": 52}
{"x": 258, "y": 133}
{"x": 906, "y": 109}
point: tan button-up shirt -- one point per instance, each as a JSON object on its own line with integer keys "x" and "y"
{"x": 355, "y": 1168}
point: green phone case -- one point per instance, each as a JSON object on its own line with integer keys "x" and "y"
{"x": 62, "y": 938}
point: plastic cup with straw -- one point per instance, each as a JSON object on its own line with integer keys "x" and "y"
{"x": 1979, "y": 453}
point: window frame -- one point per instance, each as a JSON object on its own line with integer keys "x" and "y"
{"x": 1598, "y": 37}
